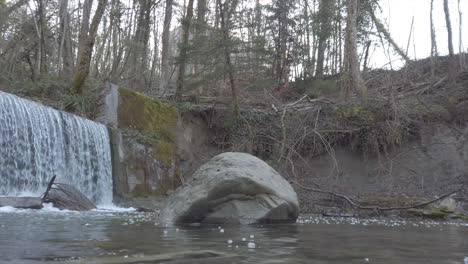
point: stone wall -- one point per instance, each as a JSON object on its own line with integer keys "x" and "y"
{"x": 143, "y": 136}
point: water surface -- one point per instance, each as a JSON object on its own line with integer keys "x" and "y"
{"x": 52, "y": 236}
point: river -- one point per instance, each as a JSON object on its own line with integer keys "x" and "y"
{"x": 53, "y": 236}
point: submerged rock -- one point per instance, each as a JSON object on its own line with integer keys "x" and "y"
{"x": 233, "y": 188}
{"x": 64, "y": 196}
{"x": 21, "y": 202}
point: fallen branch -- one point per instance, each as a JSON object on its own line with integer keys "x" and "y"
{"x": 358, "y": 206}
{"x": 49, "y": 186}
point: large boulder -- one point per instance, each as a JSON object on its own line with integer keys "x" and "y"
{"x": 235, "y": 188}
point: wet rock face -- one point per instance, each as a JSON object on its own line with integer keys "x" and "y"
{"x": 235, "y": 188}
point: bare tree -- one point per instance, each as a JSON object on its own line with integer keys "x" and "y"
{"x": 165, "y": 71}
{"x": 65, "y": 48}
{"x": 381, "y": 28}
{"x": 449, "y": 27}
{"x": 326, "y": 11}
{"x": 84, "y": 59}
{"x": 448, "y": 24}
{"x": 224, "y": 19}
{"x": 186, "y": 22}
{"x": 84, "y": 27}
{"x": 460, "y": 37}
{"x": 434, "y": 51}
{"x": 42, "y": 65}
{"x": 200, "y": 29}
{"x": 351, "y": 76}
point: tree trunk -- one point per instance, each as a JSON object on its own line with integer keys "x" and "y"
{"x": 84, "y": 28}
{"x": 281, "y": 68}
{"x": 449, "y": 28}
{"x": 186, "y": 21}
{"x": 227, "y": 55}
{"x": 199, "y": 33}
{"x": 42, "y": 42}
{"x": 325, "y": 16}
{"x": 351, "y": 78}
{"x": 366, "y": 56}
{"x": 460, "y": 38}
{"x": 433, "y": 34}
{"x": 138, "y": 58}
{"x": 84, "y": 60}
{"x": 381, "y": 28}
{"x": 434, "y": 52}
{"x": 165, "y": 53}
{"x": 451, "y": 62}
{"x": 66, "y": 48}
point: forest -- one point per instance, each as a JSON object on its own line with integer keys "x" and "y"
{"x": 208, "y": 48}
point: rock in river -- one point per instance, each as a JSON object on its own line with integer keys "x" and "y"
{"x": 235, "y": 188}
{"x": 21, "y": 202}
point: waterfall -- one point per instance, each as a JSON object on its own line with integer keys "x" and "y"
{"x": 38, "y": 142}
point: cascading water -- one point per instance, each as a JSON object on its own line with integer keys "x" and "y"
{"x": 38, "y": 142}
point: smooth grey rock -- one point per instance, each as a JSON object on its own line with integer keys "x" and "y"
{"x": 447, "y": 205}
{"x": 235, "y": 188}
{"x": 21, "y": 202}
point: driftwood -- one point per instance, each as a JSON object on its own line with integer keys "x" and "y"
{"x": 375, "y": 208}
{"x": 65, "y": 196}
{"x": 49, "y": 186}
{"x": 21, "y": 202}
{"x": 26, "y": 202}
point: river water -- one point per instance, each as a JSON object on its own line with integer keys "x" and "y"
{"x": 53, "y": 236}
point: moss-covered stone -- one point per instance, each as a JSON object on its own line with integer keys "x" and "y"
{"x": 164, "y": 152}
{"x": 149, "y": 130}
{"x": 153, "y": 119}
{"x": 142, "y": 190}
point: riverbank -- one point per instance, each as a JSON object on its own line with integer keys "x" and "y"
{"x": 406, "y": 144}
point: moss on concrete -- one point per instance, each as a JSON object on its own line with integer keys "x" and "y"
{"x": 153, "y": 125}
{"x": 163, "y": 151}
{"x": 142, "y": 190}
{"x": 153, "y": 119}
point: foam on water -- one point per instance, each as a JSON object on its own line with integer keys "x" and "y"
{"x": 49, "y": 208}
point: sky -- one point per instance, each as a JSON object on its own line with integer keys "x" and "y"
{"x": 398, "y": 15}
